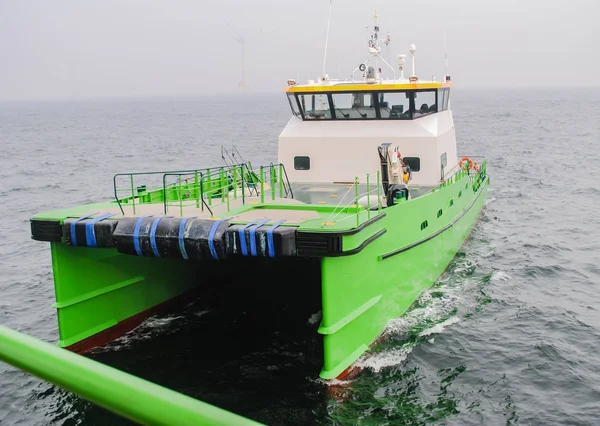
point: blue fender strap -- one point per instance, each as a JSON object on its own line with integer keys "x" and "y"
{"x": 73, "y": 236}
{"x": 243, "y": 237}
{"x": 181, "y": 235}
{"x": 270, "y": 242}
{"x": 211, "y": 239}
{"x": 153, "y": 235}
{"x": 253, "y": 236}
{"x": 136, "y": 235}
{"x": 90, "y": 231}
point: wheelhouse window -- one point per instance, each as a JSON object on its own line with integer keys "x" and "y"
{"x": 446, "y": 98}
{"x": 315, "y": 106}
{"x": 442, "y": 99}
{"x": 366, "y": 105}
{"x": 293, "y": 104}
{"x": 425, "y": 103}
{"x": 358, "y": 105}
{"x": 395, "y": 105}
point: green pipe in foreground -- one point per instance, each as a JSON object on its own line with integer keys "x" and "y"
{"x": 129, "y": 396}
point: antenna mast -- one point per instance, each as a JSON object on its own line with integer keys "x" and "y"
{"x": 326, "y": 39}
{"x": 446, "y": 54}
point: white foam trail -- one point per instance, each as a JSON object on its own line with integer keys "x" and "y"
{"x": 329, "y": 382}
{"x": 315, "y": 318}
{"x": 500, "y": 276}
{"x": 438, "y": 328}
{"x": 388, "y": 358}
{"x": 145, "y": 331}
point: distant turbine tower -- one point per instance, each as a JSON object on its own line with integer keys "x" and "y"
{"x": 242, "y": 84}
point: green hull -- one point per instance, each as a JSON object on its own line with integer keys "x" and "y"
{"x": 101, "y": 289}
{"x": 361, "y": 293}
{"x": 385, "y": 258}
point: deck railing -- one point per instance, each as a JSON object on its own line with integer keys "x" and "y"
{"x": 221, "y": 186}
{"x": 133, "y": 189}
{"x": 203, "y": 189}
{"x": 355, "y": 193}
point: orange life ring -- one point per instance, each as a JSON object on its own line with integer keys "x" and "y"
{"x": 462, "y": 160}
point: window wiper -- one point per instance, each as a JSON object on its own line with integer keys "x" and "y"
{"x": 341, "y": 112}
{"x": 361, "y": 114}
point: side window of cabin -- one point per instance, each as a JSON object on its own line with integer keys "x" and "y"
{"x": 394, "y": 105}
{"x": 302, "y": 163}
{"x": 315, "y": 106}
{"x": 293, "y": 104}
{"x": 359, "y": 105}
{"x": 425, "y": 103}
{"x": 413, "y": 162}
{"x": 446, "y": 98}
{"x": 441, "y": 99}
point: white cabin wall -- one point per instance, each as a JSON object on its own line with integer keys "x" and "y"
{"x": 447, "y": 143}
{"x": 341, "y": 150}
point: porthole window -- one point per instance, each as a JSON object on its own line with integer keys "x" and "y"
{"x": 413, "y": 162}
{"x": 424, "y": 225}
{"x": 302, "y": 163}
{"x": 439, "y": 213}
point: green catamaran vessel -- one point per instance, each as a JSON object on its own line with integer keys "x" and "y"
{"x": 368, "y": 188}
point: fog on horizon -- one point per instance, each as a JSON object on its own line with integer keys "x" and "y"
{"x": 75, "y": 49}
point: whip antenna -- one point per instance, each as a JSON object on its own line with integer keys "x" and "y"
{"x": 327, "y": 38}
{"x": 446, "y": 53}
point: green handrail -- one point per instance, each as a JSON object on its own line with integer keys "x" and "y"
{"x": 129, "y": 396}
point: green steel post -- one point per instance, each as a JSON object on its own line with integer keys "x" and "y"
{"x": 222, "y": 183}
{"x": 272, "y": 171}
{"x": 139, "y": 400}
{"x": 209, "y": 192}
{"x": 262, "y": 185}
{"x": 180, "y": 198}
{"x": 132, "y": 194}
{"x": 243, "y": 195}
{"x": 197, "y": 189}
{"x": 280, "y": 180}
{"x": 228, "y": 207}
{"x": 368, "y": 198}
{"x": 235, "y": 183}
{"x": 378, "y": 192}
{"x": 356, "y": 201}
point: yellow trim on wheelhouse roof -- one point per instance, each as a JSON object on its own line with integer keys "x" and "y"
{"x": 357, "y": 87}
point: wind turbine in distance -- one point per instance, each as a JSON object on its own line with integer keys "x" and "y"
{"x": 242, "y": 84}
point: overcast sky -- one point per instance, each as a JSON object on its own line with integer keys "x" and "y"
{"x": 90, "y": 48}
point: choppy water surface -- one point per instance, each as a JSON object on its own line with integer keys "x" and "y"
{"x": 508, "y": 335}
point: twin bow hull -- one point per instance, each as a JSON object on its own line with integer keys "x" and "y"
{"x": 364, "y": 275}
